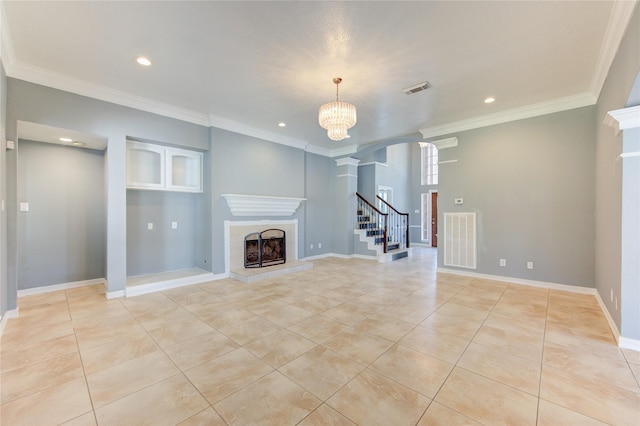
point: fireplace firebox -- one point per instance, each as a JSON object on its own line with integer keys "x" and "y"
{"x": 265, "y": 248}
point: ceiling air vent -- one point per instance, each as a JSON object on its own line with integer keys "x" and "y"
{"x": 417, "y": 88}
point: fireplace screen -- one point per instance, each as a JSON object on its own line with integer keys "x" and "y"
{"x": 264, "y": 248}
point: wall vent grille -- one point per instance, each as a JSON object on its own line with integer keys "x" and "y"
{"x": 417, "y": 88}
{"x": 460, "y": 240}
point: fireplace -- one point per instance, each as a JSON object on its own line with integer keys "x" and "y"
{"x": 265, "y": 248}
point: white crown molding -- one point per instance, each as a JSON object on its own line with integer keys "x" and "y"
{"x": 622, "y": 119}
{"x": 347, "y": 161}
{"x": 345, "y": 150}
{"x": 621, "y": 13}
{"x": 373, "y": 163}
{"x": 6, "y": 45}
{"x": 261, "y": 205}
{"x": 54, "y": 80}
{"x": 445, "y": 143}
{"x": 543, "y": 108}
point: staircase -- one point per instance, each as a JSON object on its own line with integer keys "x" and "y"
{"x": 385, "y": 232}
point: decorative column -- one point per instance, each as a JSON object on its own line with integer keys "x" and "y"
{"x": 344, "y": 204}
{"x": 627, "y": 121}
{"x": 116, "y": 185}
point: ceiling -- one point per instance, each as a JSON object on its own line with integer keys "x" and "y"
{"x": 246, "y": 66}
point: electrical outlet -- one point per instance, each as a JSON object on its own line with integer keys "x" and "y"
{"x": 174, "y": 225}
{"x": 616, "y": 303}
{"x": 150, "y": 226}
{"x": 529, "y": 265}
{"x": 612, "y": 295}
{"x": 311, "y": 247}
{"x": 319, "y": 245}
{"x": 503, "y": 262}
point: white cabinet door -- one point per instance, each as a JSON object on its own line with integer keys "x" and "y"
{"x": 163, "y": 168}
{"x": 184, "y": 170}
{"x": 145, "y": 166}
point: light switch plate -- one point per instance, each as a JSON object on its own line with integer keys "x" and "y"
{"x": 458, "y": 201}
{"x": 24, "y": 207}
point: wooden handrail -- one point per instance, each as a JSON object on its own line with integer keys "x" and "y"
{"x": 390, "y": 206}
{"x": 371, "y": 205}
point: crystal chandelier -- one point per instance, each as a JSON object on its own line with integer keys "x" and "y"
{"x": 337, "y": 117}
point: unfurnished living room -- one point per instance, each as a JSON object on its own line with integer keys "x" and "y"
{"x": 319, "y": 213}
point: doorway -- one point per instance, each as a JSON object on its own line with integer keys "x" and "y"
{"x": 430, "y": 218}
{"x": 386, "y": 193}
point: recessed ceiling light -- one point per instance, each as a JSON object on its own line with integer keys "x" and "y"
{"x": 281, "y": 124}
{"x": 347, "y": 137}
{"x": 143, "y": 61}
{"x": 489, "y": 100}
{"x": 66, "y": 140}
{"x": 76, "y": 143}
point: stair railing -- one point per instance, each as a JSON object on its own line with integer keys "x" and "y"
{"x": 371, "y": 218}
{"x": 398, "y": 225}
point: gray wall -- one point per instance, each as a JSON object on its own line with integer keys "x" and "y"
{"x": 61, "y": 238}
{"x": 319, "y": 208}
{"x": 162, "y": 248}
{"x": 531, "y": 184}
{"x": 608, "y": 166}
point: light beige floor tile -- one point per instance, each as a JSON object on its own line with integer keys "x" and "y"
{"x": 507, "y": 338}
{"x": 199, "y": 349}
{"x": 487, "y": 401}
{"x": 15, "y": 340}
{"x": 587, "y": 320}
{"x": 249, "y": 330}
{"x": 321, "y": 371}
{"x": 226, "y": 374}
{"x": 360, "y": 347}
{"x": 392, "y": 329}
{"x": 103, "y": 309}
{"x": 608, "y": 370}
{"x": 87, "y": 419}
{"x": 346, "y": 314}
{"x": 280, "y": 347}
{"x": 471, "y": 313}
{"x": 52, "y": 406}
{"x": 103, "y": 356}
{"x": 148, "y": 304}
{"x": 37, "y": 352}
{"x": 458, "y": 326}
{"x": 98, "y": 336}
{"x": 164, "y": 318}
{"x": 318, "y": 328}
{"x": 113, "y": 383}
{"x": 510, "y": 370}
{"x": 187, "y": 295}
{"x": 608, "y": 404}
{"x": 317, "y": 304}
{"x": 287, "y": 315}
{"x": 167, "y": 402}
{"x": 398, "y": 404}
{"x": 633, "y": 357}
{"x": 206, "y": 417}
{"x": 272, "y": 400}
{"x": 206, "y": 307}
{"x": 25, "y": 322}
{"x": 559, "y": 299}
{"x": 226, "y": 316}
{"x": 440, "y": 345}
{"x": 38, "y": 377}
{"x": 550, "y": 414}
{"x": 407, "y": 312}
{"x": 326, "y": 416}
{"x": 636, "y": 371}
{"x": 179, "y": 331}
{"x": 413, "y": 369}
{"x": 439, "y": 415}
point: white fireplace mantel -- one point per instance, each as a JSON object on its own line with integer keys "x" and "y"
{"x": 261, "y": 205}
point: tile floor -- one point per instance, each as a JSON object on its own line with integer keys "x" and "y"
{"x": 348, "y": 342}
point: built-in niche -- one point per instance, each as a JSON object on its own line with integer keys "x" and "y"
{"x": 61, "y": 217}
{"x": 166, "y": 214}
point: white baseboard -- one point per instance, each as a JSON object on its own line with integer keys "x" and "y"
{"x": 115, "y": 294}
{"x": 169, "y": 284}
{"x": 633, "y": 344}
{"x": 607, "y": 315}
{"x": 57, "y": 287}
{"x": 6, "y": 317}
{"x": 533, "y": 283}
